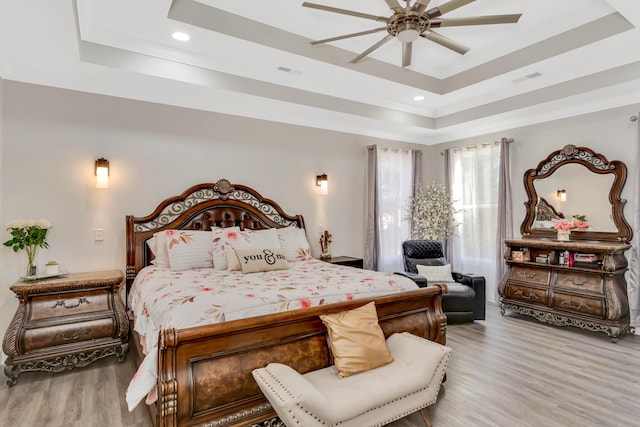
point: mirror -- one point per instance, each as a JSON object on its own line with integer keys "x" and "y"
{"x": 591, "y": 185}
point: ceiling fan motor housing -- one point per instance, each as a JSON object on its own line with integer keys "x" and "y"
{"x": 407, "y": 28}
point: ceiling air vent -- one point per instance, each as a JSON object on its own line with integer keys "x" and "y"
{"x": 527, "y": 77}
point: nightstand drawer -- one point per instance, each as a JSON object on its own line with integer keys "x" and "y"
{"x": 69, "y": 304}
{"x": 68, "y": 333}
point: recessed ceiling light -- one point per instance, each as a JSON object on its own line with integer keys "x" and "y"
{"x": 418, "y": 98}
{"x": 183, "y": 37}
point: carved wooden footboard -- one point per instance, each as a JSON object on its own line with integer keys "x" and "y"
{"x": 205, "y": 372}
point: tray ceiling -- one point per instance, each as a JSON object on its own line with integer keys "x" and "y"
{"x": 254, "y": 59}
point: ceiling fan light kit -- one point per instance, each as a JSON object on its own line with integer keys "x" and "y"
{"x": 412, "y": 21}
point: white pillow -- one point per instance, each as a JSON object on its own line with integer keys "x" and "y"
{"x": 294, "y": 243}
{"x": 222, "y": 238}
{"x": 158, "y": 246}
{"x": 436, "y": 273}
{"x": 256, "y": 239}
{"x": 189, "y": 249}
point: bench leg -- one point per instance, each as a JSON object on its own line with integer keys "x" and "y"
{"x": 425, "y": 417}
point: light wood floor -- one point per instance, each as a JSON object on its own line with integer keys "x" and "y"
{"x": 507, "y": 371}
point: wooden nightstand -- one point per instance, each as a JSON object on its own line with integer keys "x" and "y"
{"x": 66, "y": 322}
{"x": 346, "y": 260}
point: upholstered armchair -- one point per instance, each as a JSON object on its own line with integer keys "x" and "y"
{"x": 465, "y": 301}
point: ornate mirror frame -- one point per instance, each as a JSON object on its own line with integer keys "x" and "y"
{"x": 596, "y": 163}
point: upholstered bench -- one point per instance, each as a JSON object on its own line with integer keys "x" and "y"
{"x": 371, "y": 398}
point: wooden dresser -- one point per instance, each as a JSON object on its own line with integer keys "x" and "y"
{"x": 589, "y": 292}
{"x": 66, "y": 322}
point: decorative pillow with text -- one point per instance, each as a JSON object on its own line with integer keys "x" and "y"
{"x": 255, "y": 260}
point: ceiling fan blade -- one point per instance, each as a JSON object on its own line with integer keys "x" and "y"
{"x": 406, "y": 54}
{"x": 476, "y": 20}
{"x": 447, "y": 7}
{"x": 345, "y": 12}
{"x": 346, "y": 36}
{"x": 420, "y": 5}
{"x": 395, "y": 6}
{"x": 445, "y": 41}
{"x": 371, "y": 49}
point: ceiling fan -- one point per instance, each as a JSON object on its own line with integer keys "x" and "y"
{"x": 413, "y": 21}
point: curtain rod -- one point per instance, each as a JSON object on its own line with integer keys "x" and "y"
{"x": 395, "y": 150}
{"x": 470, "y": 147}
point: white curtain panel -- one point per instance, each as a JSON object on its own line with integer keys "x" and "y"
{"x": 395, "y": 187}
{"x": 474, "y": 185}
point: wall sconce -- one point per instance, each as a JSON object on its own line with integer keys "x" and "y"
{"x": 323, "y": 183}
{"x": 562, "y": 195}
{"x": 102, "y": 173}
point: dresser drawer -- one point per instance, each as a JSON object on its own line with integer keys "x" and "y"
{"x": 530, "y": 274}
{"x": 579, "y": 304}
{"x": 69, "y": 304}
{"x": 50, "y": 336}
{"x": 580, "y": 281}
{"x": 525, "y": 293}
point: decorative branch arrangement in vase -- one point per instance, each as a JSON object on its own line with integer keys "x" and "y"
{"x": 28, "y": 235}
{"x": 432, "y": 213}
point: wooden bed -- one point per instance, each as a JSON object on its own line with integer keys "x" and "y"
{"x": 204, "y": 372}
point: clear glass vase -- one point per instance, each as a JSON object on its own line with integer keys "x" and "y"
{"x": 32, "y": 269}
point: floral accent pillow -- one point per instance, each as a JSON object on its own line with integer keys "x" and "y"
{"x": 294, "y": 243}
{"x": 188, "y": 249}
{"x": 256, "y": 239}
{"x": 222, "y": 240}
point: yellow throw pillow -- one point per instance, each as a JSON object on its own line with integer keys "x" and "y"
{"x": 356, "y": 340}
{"x": 254, "y": 260}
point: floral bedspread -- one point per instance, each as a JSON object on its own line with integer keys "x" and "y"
{"x": 161, "y": 298}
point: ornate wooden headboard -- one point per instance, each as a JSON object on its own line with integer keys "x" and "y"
{"x": 546, "y": 212}
{"x": 201, "y": 207}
